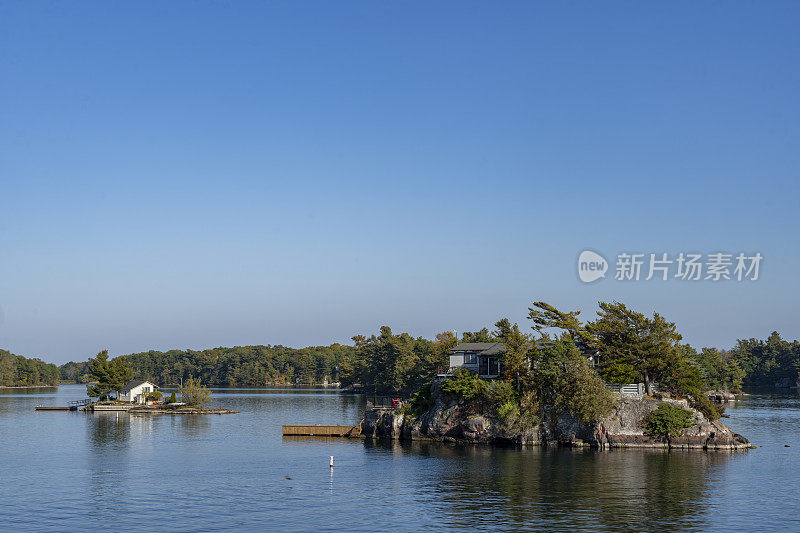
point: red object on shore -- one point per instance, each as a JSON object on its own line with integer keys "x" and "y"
{"x": 396, "y": 402}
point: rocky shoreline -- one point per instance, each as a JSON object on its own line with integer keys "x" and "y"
{"x": 457, "y": 421}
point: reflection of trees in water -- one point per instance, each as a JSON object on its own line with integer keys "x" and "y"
{"x": 350, "y": 404}
{"x": 109, "y": 436}
{"x": 27, "y": 390}
{"x": 192, "y": 425}
{"x": 633, "y": 489}
{"x": 109, "y": 428}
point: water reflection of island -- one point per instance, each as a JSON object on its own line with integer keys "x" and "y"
{"x": 115, "y": 430}
{"x": 109, "y": 428}
{"x": 542, "y": 488}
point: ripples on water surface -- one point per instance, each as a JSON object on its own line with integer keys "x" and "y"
{"x": 67, "y": 471}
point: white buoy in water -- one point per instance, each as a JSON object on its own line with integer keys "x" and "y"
{"x": 331, "y": 461}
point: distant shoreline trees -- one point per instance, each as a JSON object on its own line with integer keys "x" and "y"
{"x": 19, "y": 371}
{"x": 240, "y": 366}
{"x": 635, "y": 348}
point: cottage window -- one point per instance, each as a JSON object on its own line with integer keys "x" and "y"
{"x": 470, "y": 359}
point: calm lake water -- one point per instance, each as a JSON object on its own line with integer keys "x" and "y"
{"x": 72, "y": 471}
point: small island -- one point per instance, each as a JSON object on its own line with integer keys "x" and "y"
{"x": 623, "y": 380}
{"x": 463, "y": 410}
{"x": 141, "y": 397}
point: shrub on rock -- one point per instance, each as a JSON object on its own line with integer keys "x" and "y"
{"x": 667, "y": 421}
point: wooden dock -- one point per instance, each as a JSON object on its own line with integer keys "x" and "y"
{"x": 322, "y": 431}
{"x": 74, "y": 405}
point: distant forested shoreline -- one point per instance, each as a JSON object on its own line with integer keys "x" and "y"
{"x": 633, "y": 348}
{"x": 19, "y": 371}
{"x": 389, "y": 362}
{"x": 240, "y": 366}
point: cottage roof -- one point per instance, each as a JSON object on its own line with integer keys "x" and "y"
{"x": 482, "y": 348}
{"x": 133, "y": 384}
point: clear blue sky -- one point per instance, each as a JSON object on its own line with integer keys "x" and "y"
{"x": 199, "y": 174}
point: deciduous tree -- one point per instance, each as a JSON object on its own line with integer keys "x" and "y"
{"x": 193, "y": 393}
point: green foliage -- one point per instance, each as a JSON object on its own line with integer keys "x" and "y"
{"x": 529, "y": 409}
{"x": 685, "y": 380}
{"x": 717, "y": 369}
{"x": 767, "y": 362}
{"x": 667, "y": 421}
{"x": 508, "y": 412}
{"x": 564, "y": 380}
{"x": 710, "y": 410}
{"x": 194, "y": 394}
{"x": 545, "y": 316}
{"x": 252, "y": 366}
{"x": 397, "y": 364}
{"x": 468, "y": 386}
{"x": 477, "y": 336}
{"x": 172, "y": 398}
{"x": 634, "y": 347}
{"x": 19, "y": 371}
{"x": 501, "y": 398}
{"x": 420, "y": 402}
{"x": 465, "y": 385}
{"x": 154, "y": 396}
{"x": 109, "y": 375}
{"x": 515, "y": 362}
{"x": 75, "y": 372}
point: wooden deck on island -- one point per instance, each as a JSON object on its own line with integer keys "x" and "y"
{"x": 322, "y": 431}
{"x": 115, "y": 407}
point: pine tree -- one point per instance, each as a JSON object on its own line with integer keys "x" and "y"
{"x": 634, "y": 347}
{"x": 109, "y": 375}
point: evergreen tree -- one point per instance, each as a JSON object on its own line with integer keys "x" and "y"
{"x": 634, "y": 347}
{"x": 564, "y": 381}
{"x": 545, "y": 316}
{"x": 109, "y": 375}
{"x": 516, "y": 365}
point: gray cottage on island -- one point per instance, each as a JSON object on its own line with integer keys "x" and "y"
{"x": 485, "y": 358}
{"x": 482, "y": 358}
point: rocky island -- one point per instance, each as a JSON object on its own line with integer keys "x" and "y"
{"x": 624, "y": 379}
{"x": 452, "y": 418}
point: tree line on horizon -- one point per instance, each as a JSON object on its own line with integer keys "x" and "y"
{"x": 635, "y": 348}
{"x": 19, "y": 371}
{"x": 240, "y": 366}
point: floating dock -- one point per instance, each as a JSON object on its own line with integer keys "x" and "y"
{"x": 322, "y": 431}
{"x": 74, "y": 405}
